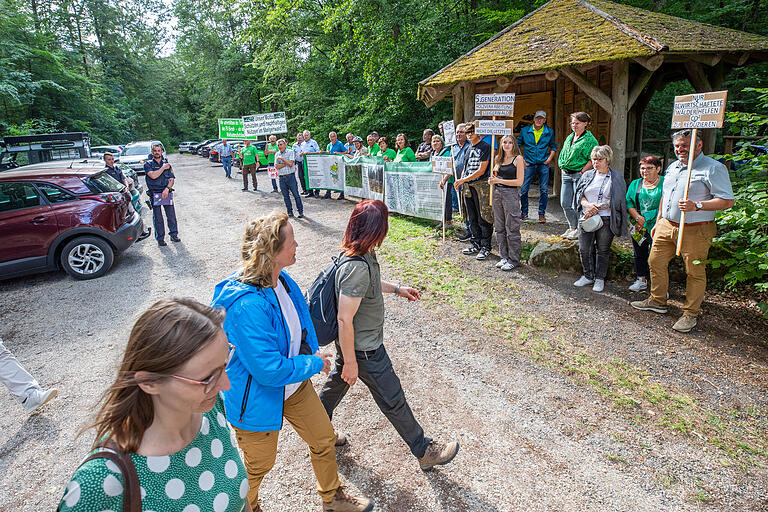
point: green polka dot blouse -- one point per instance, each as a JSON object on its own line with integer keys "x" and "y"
{"x": 206, "y": 475}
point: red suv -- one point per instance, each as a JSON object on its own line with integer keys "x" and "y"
{"x": 71, "y": 218}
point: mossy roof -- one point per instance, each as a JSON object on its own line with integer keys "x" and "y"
{"x": 576, "y": 32}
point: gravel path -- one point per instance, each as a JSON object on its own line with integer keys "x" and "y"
{"x": 531, "y": 438}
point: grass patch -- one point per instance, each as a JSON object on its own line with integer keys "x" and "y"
{"x": 412, "y": 249}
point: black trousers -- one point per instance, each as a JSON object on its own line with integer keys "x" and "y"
{"x": 375, "y": 371}
{"x": 480, "y": 230}
{"x": 641, "y": 257}
{"x": 302, "y": 182}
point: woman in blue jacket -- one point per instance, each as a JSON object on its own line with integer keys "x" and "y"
{"x": 277, "y": 352}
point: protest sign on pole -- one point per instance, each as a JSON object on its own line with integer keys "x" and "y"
{"x": 449, "y": 130}
{"x": 704, "y": 110}
{"x": 487, "y": 105}
{"x": 324, "y": 171}
{"x": 231, "y": 128}
{"x": 442, "y": 164}
{"x": 413, "y": 189}
{"x": 486, "y": 127}
{"x": 264, "y": 124}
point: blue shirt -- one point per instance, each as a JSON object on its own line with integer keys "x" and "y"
{"x": 460, "y": 157}
{"x": 159, "y": 183}
{"x": 536, "y": 152}
{"x": 310, "y": 146}
{"x": 338, "y": 147}
{"x": 226, "y": 150}
{"x": 709, "y": 179}
{"x": 115, "y": 173}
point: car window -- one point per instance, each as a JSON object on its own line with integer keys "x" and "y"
{"x": 15, "y": 196}
{"x": 103, "y": 182}
{"x": 141, "y": 149}
{"x": 55, "y": 194}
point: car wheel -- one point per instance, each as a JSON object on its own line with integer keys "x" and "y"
{"x": 87, "y": 257}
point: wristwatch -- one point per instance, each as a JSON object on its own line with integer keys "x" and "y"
{"x": 699, "y": 206}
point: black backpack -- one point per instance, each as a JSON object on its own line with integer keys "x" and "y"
{"x": 322, "y": 301}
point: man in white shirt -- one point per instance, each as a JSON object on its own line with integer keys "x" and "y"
{"x": 286, "y": 173}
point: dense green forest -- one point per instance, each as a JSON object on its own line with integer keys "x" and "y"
{"x": 134, "y": 69}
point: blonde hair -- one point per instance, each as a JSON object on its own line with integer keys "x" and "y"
{"x": 602, "y": 152}
{"x": 262, "y": 241}
{"x": 500, "y": 152}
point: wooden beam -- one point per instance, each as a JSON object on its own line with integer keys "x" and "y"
{"x": 551, "y": 75}
{"x": 469, "y": 101}
{"x": 696, "y": 76}
{"x": 559, "y": 123}
{"x": 590, "y": 89}
{"x": 458, "y": 104}
{"x": 638, "y": 86}
{"x": 651, "y": 63}
{"x": 620, "y": 107}
{"x": 708, "y": 59}
{"x": 743, "y": 58}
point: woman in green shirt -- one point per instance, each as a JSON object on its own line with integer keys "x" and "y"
{"x": 164, "y": 415}
{"x": 574, "y": 160}
{"x": 643, "y": 200}
{"x": 404, "y": 151}
{"x": 385, "y": 151}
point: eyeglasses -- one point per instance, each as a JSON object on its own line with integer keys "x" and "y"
{"x": 211, "y": 381}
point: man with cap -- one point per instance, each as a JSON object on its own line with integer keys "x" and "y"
{"x": 537, "y": 142}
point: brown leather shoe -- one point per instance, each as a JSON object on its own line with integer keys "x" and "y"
{"x": 438, "y": 454}
{"x": 345, "y": 502}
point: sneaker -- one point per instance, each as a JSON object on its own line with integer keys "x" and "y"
{"x": 566, "y": 233}
{"x": 244, "y": 189}
{"x": 345, "y": 502}
{"x": 175, "y": 239}
{"x": 438, "y": 454}
{"x": 573, "y": 234}
{"x": 472, "y": 249}
{"x": 301, "y": 215}
{"x": 524, "y": 217}
{"x": 508, "y": 266}
{"x": 542, "y": 218}
{"x": 583, "y": 281}
{"x": 649, "y": 305}
{"x": 341, "y": 439}
{"x": 483, "y": 254}
{"x": 466, "y": 237}
{"x": 275, "y": 191}
{"x": 161, "y": 243}
{"x": 685, "y": 323}
{"x": 340, "y": 197}
{"x": 599, "y": 285}
{"x": 290, "y": 214}
{"x": 37, "y": 398}
{"x": 638, "y": 286}
{"x": 501, "y": 263}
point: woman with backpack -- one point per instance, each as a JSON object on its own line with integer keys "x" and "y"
{"x": 268, "y": 320}
{"x": 360, "y": 351}
{"x": 161, "y": 439}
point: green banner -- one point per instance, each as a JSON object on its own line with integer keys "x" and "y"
{"x": 231, "y": 129}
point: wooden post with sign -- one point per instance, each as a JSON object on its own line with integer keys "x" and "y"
{"x": 704, "y": 110}
{"x": 444, "y": 165}
{"x": 494, "y": 128}
{"x": 494, "y": 105}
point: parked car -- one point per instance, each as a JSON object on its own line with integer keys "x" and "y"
{"x": 98, "y": 151}
{"x": 186, "y": 147}
{"x": 72, "y": 218}
{"x": 199, "y": 147}
{"x": 19, "y": 150}
{"x": 205, "y": 151}
{"x": 261, "y": 145}
{"x": 136, "y": 153}
{"x": 213, "y": 155}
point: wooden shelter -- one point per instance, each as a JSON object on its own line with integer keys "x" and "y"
{"x": 596, "y": 56}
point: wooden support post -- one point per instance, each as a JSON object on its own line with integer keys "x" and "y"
{"x": 590, "y": 89}
{"x": 559, "y": 122}
{"x": 469, "y": 101}
{"x": 638, "y": 85}
{"x": 685, "y": 193}
{"x": 458, "y": 105}
{"x": 620, "y": 96}
{"x": 493, "y": 143}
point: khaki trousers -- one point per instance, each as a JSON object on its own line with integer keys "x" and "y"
{"x": 695, "y": 247}
{"x": 249, "y": 169}
{"x": 307, "y": 415}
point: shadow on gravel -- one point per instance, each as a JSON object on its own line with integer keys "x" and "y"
{"x": 376, "y": 486}
{"x": 180, "y": 261}
{"x": 324, "y": 229}
{"x": 455, "y": 497}
{"x": 37, "y": 429}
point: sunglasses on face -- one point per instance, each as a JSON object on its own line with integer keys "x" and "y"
{"x": 210, "y": 383}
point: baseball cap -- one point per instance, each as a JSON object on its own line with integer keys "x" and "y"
{"x": 540, "y": 113}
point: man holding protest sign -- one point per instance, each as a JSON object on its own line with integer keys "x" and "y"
{"x": 710, "y": 190}
{"x": 270, "y": 151}
{"x": 476, "y": 193}
{"x": 286, "y": 170}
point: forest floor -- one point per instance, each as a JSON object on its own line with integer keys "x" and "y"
{"x": 562, "y": 399}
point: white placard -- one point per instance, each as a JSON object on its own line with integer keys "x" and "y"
{"x": 704, "y": 110}
{"x": 442, "y": 164}
{"x": 449, "y": 129}
{"x": 264, "y": 124}
{"x": 486, "y": 127}
{"x": 324, "y": 171}
{"x": 494, "y": 105}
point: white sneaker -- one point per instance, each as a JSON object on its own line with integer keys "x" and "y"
{"x": 639, "y": 285}
{"x": 38, "y": 398}
{"x": 566, "y": 233}
{"x": 508, "y": 266}
{"x": 583, "y": 281}
{"x": 573, "y": 234}
{"x": 501, "y": 263}
{"x": 599, "y": 285}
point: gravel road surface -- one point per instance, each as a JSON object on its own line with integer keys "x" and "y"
{"x": 532, "y": 439}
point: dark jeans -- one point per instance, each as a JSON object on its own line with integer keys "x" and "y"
{"x": 451, "y": 201}
{"x": 480, "y": 230}
{"x": 542, "y": 171}
{"x": 288, "y": 184}
{"x": 375, "y": 370}
{"x": 226, "y": 162}
{"x": 328, "y": 195}
{"x": 302, "y": 179}
{"x": 595, "y": 249}
{"x": 641, "y": 257}
{"x": 157, "y": 221}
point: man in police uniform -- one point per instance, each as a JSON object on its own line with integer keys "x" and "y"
{"x": 710, "y": 190}
{"x": 109, "y": 168}
{"x": 160, "y": 180}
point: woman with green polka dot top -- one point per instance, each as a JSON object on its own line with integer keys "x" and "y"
{"x": 165, "y": 412}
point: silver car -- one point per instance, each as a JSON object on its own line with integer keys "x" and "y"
{"x": 136, "y": 153}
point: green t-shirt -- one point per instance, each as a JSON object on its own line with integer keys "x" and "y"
{"x": 649, "y": 198}
{"x": 271, "y": 156}
{"x": 375, "y": 150}
{"x": 405, "y": 155}
{"x": 573, "y": 157}
{"x": 390, "y": 153}
{"x": 353, "y": 280}
{"x": 249, "y": 154}
{"x": 208, "y": 474}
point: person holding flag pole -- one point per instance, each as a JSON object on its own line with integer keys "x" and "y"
{"x": 695, "y": 187}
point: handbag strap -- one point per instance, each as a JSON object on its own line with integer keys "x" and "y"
{"x": 132, "y": 491}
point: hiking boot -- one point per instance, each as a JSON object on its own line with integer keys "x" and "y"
{"x": 345, "y": 502}
{"x": 583, "y": 281}
{"x": 649, "y": 305}
{"x": 438, "y": 454}
{"x": 341, "y": 439}
{"x": 483, "y": 254}
{"x": 469, "y": 251}
{"x": 39, "y": 397}
{"x": 685, "y": 323}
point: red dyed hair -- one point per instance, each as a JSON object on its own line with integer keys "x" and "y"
{"x": 651, "y": 160}
{"x": 367, "y": 227}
